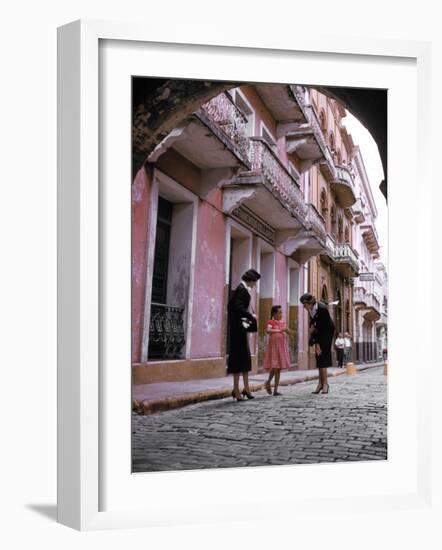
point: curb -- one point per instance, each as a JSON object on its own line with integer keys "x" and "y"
{"x": 170, "y": 403}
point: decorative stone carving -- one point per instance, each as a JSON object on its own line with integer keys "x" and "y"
{"x": 215, "y": 177}
{"x": 158, "y": 109}
{"x": 295, "y": 143}
{"x": 233, "y": 196}
{"x": 284, "y": 236}
{"x": 255, "y": 223}
{"x": 175, "y": 135}
{"x": 277, "y": 178}
{"x": 230, "y": 119}
{"x": 292, "y": 128}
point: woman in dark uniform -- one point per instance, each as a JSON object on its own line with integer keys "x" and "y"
{"x": 239, "y": 361}
{"x": 322, "y": 330}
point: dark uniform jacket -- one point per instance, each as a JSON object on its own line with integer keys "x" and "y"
{"x": 322, "y": 333}
{"x": 239, "y": 353}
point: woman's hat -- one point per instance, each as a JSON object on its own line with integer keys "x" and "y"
{"x": 307, "y": 298}
{"x": 251, "y": 275}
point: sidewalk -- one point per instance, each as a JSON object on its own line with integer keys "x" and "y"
{"x": 161, "y": 396}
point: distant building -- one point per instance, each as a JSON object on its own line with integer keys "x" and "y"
{"x": 367, "y": 293}
{"x": 382, "y": 322}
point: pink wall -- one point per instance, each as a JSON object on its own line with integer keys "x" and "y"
{"x": 282, "y": 151}
{"x": 140, "y": 208}
{"x": 261, "y": 112}
{"x": 209, "y": 282}
{"x": 281, "y": 282}
{"x": 180, "y": 169}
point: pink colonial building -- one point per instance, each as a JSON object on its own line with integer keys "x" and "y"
{"x": 228, "y": 189}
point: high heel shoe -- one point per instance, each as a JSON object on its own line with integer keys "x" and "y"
{"x": 328, "y": 387}
{"x": 248, "y": 395}
{"x": 318, "y": 389}
{"x": 267, "y": 387}
{"x": 237, "y": 398}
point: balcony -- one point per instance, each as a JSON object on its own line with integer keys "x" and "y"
{"x": 346, "y": 260}
{"x": 315, "y": 223}
{"x": 358, "y": 212}
{"x": 369, "y": 234}
{"x": 372, "y": 309}
{"x": 268, "y": 189}
{"x": 282, "y": 105}
{"x": 342, "y": 257}
{"x": 213, "y": 139}
{"x": 166, "y": 332}
{"x": 359, "y": 297}
{"x": 307, "y": 139}
{"x": 343, "y": 186}
{"x": 309, "y": 241}
{"x": 231, "y": 121}
{"x": 368, "y": 303}
{"x": 277, "y": 178}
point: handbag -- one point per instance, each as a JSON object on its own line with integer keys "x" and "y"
{"x": 249, "y": 324}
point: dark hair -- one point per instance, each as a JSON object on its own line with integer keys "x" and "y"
{"x": 307, "y": 299}
{"x": 274, "y": 311}
{"x": 250, "y": 275}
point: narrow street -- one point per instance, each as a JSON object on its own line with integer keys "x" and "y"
{"x": 348, "y": 424}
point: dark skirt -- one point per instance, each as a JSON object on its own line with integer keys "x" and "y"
{"x": 239, "y": 353}
{"x": 324, "y": 359}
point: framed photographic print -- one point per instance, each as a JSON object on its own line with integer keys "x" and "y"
{"x": 203, "y": 187}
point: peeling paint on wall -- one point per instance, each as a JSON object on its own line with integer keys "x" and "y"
{"x": 138, "y": 187}
{"x": 208, "y": 299}
{"x": 140, "y": 222}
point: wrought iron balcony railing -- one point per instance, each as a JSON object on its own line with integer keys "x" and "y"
{"x": 315, "y": 223}
{"x": 230, "y": 119}
{"x": 344, "y": 252}
{"x": 277, "y": 177}
{"x": 330, "y": 245}
{"x": 373, "y": 302}
{"x": 358, "y": 212}
{"x": 343, "y": 186}
{"x": 166, "y": 332}
{"x": 344, "y": 174}
{"x": 310, "y": 115}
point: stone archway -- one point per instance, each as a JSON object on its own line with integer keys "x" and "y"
{"x": 159, "y": 105}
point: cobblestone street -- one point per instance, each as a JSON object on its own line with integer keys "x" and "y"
{"x": 350, "y": 423}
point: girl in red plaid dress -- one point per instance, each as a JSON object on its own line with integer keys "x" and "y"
{"x": 276, "y": 356}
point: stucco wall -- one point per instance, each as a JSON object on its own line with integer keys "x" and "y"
{"x": 281, "y": 297}
{"x": 208, "y": 297}
{"x": 140, "y": 208}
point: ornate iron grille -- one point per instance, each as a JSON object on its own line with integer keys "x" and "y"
{"x": 277, "y": 177}
{"x": 223, "y": 111}
{"x": 166, "y": 332}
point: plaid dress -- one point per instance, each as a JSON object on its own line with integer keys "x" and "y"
{"x": 277, "y": 351}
